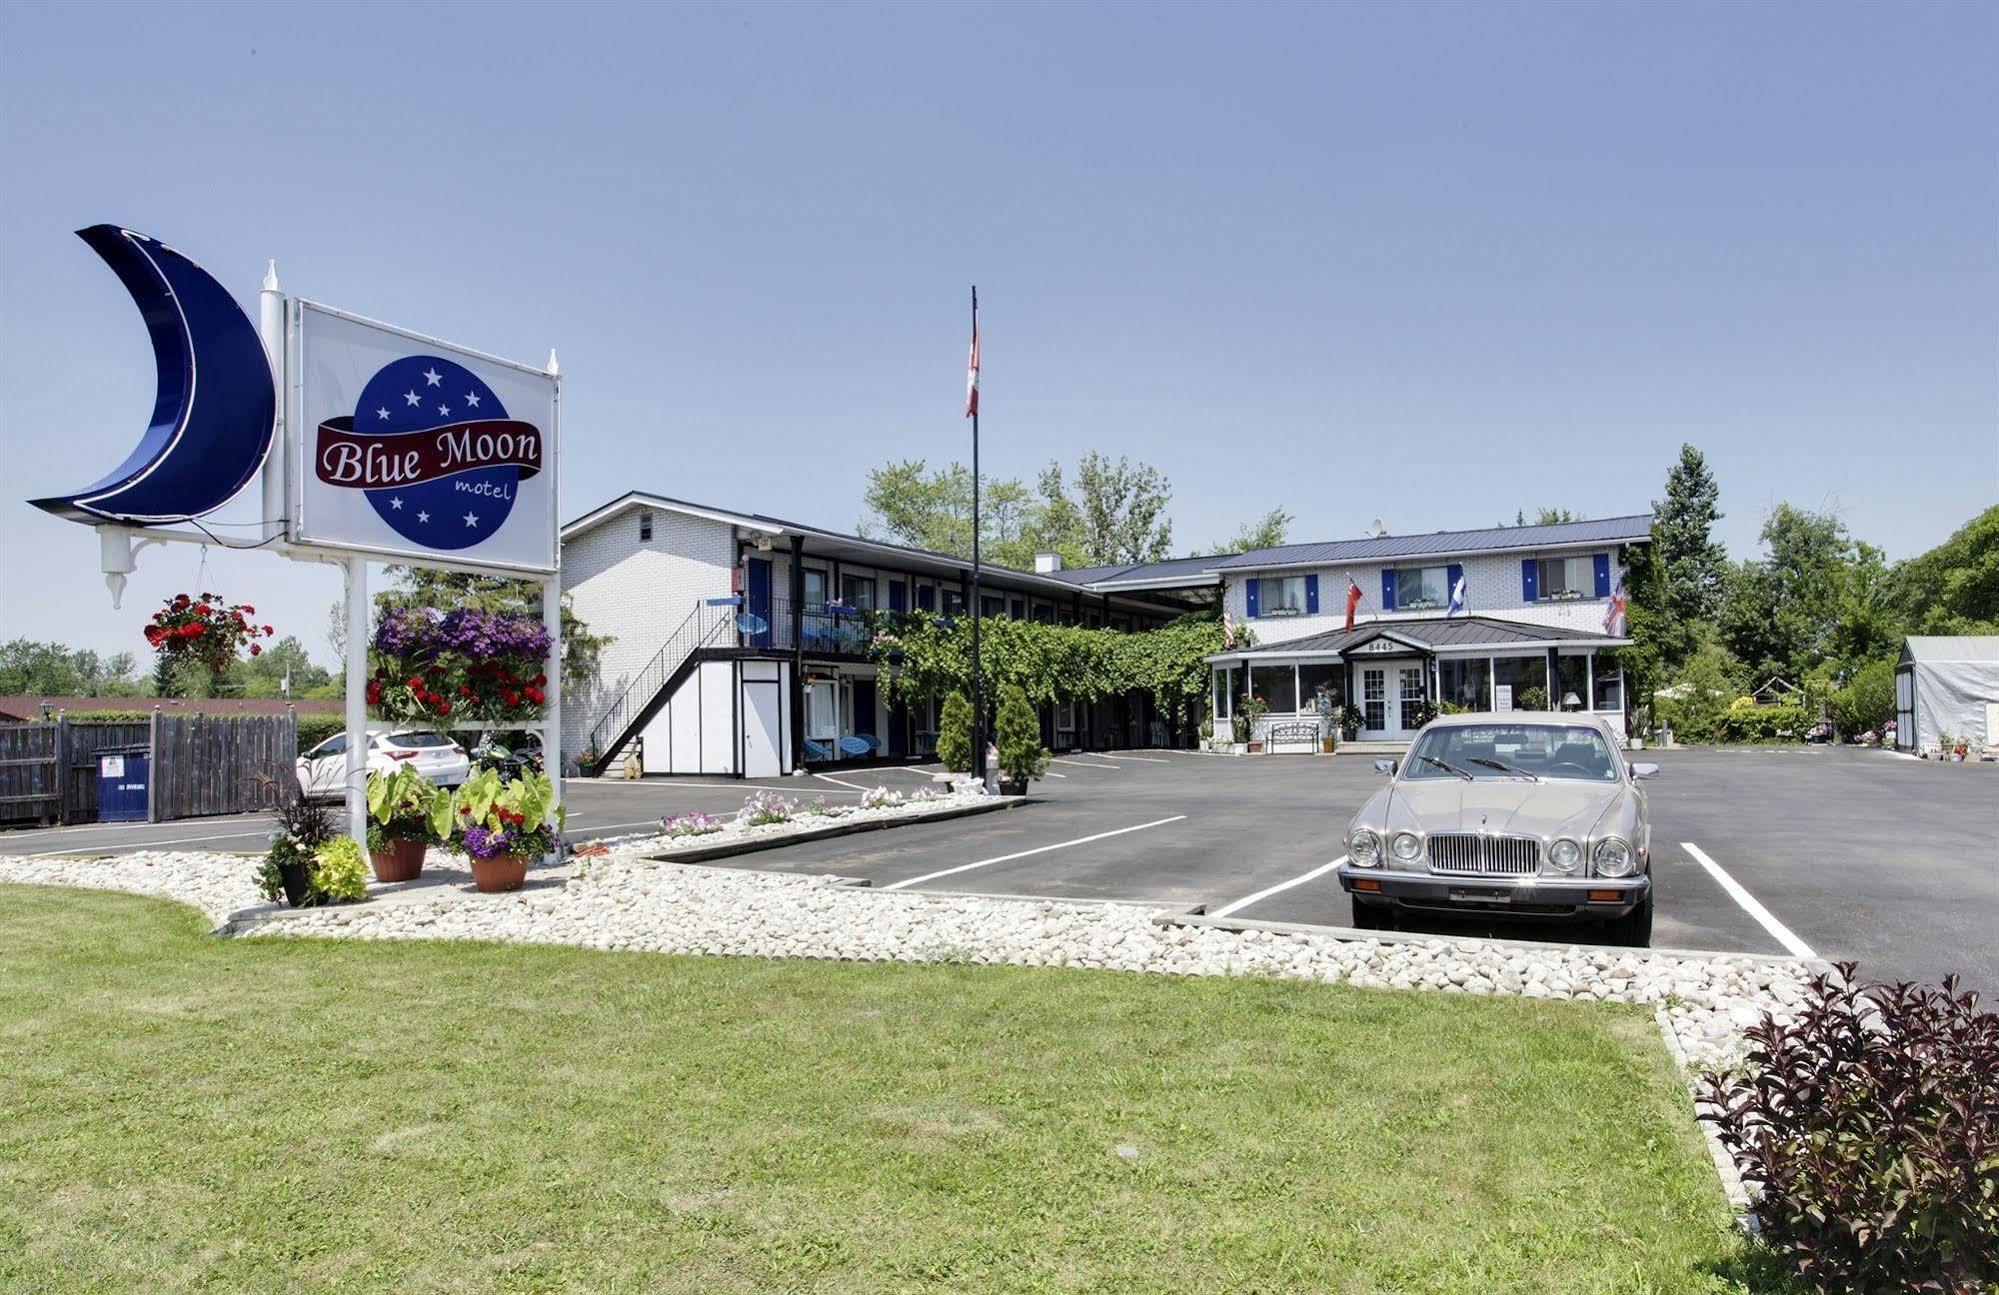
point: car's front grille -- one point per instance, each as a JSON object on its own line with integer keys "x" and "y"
{"x": 1473, "y": 855}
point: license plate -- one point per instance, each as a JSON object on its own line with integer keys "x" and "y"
{"x": 1481, "y": 897}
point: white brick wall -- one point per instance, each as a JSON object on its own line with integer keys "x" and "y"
{"x": 1492, "y": 588}
{"x": 638, "y": 593}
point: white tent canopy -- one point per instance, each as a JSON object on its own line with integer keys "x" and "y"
{"x": 1947, "y": 684}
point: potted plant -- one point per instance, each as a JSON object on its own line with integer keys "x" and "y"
{"x": 1017, "y": 737}
{"x": 1252, "y": 709}
{"x": 301, "y": 827}
{"x": 1350, "y": 720}
{"x": 501, "y": 826}
{"x": 406, "y": 812}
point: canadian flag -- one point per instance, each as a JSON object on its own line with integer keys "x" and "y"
{"x": 972, "y": 371}
{"x": 1353, "y": 600}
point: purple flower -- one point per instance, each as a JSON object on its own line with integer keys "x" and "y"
{"x": 481, "y": 843}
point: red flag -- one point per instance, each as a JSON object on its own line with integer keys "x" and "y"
{"x": 1353, "y": 600}
{"x": 972, "y": 371}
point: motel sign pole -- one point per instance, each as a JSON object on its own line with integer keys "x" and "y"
{"x": 978, "y": 701}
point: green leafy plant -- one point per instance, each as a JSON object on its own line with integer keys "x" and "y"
{"x": 1017, "y": 736}
{"x": 403, "y": 805}
{"x": 300, "y": 826}
{"x": 1532, "y": 697}
{"x": 1871, "y": 1122}
{"x": 954, "y": 734}
{"x": 338, "y": 873}
{"x": 492, "y": 817}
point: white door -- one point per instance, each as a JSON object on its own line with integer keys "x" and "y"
{"x": 761, "y": 727}
{"x": 1412, "y": 690}
{"x": 1377, "y": 708}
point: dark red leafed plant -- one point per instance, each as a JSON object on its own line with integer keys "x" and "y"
{"x": 1871, "y": 1124}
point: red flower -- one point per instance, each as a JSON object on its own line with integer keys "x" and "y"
{"x": 464, "y": 690}
{"x": 513, "y": 698}
{"x": 416, "y": 685}
{"x": 193, "y": 629}
{"x": 541, "y": 681}
{"x": 255, "y": 650}
{"x": 201, "y": 609}
{"x": 374, "y": 694}
{"x": 443, "y": 707}
{"x": 537, "y": 696}
{"x": 181, "y": 601}
{"x": 248, "y": 610}
{"x": 267, "y": 629}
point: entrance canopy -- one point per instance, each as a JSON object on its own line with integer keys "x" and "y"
{"x": 1427, "y": 636}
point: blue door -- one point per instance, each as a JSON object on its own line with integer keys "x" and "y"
{"x": 756, "y": 603}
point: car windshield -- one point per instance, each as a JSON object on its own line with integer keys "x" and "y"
{"x": 418, "y": 739}
{"x": 1567, "y": 752}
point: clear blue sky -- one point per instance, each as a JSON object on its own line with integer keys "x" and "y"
{"x": 1428, "y": 262}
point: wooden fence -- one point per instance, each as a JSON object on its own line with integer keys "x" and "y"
{"x": 201, "y": 764}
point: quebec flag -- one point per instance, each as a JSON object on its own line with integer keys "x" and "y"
{"x": 1457, "y": 607}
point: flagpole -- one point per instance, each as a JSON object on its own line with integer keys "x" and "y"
{"x": 978, "y": 701}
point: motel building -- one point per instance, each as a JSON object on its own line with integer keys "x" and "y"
{"x": 1530, "y": 636}
{"x": 738, "y": 644}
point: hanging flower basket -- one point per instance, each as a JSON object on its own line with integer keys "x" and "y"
{"x": 204, "y": 631}
{"x": 433, "y": 668}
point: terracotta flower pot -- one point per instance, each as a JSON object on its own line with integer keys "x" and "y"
{"x": 402, "y": 861}
{"x": 1256, "y": 748}
{"x": 501, "y": 872}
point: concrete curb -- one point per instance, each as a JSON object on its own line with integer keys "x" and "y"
{"x": 1196, "y": 916}
{"x": 728, "y": 850}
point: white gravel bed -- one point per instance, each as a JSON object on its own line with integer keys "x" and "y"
{"x": 810, "y": 814}
{"x": 623, "y": 901}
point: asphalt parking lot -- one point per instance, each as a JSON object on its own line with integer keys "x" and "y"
{"x": 1841, "y": 853}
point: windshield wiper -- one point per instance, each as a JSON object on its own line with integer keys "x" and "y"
{"x": 1504, "y": 767}
{"x": 1447, "y": 768}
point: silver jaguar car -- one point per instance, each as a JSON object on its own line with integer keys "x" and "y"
{"x": 1515, "y": 814}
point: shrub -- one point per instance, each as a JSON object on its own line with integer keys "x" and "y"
{"x": 1753, "y": 723}
{"x": 1868, "y": 700}
{"x": 765, "y": 807}
{"x": 1871, "y": 1123}
{"x": 314, "y": 729}
{"x": 338, "y": 873}
{"x": 1017, "y": 737}
{"x": 299, "y": 828}
{"x": 954, "y": 734}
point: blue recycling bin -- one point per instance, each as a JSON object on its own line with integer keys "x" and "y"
{"x": 123, "y": 778}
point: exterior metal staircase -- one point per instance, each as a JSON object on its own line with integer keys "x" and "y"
{"x": 709, "y": 625}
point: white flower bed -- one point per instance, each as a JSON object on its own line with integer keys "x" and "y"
{"x": 623, "y": 901}
{"x": 769, "y": 815}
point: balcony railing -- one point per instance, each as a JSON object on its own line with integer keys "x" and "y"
{"x": 825, "y": 629}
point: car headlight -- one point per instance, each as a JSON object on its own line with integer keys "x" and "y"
{"x": 1564, "y": 855}
{"x": 1364, "y": 848}
{"x": 1406, "y": 847}
{"x": 1612, "y": 858}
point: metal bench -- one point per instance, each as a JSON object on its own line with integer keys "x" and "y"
{"x": 1305, "y": 732}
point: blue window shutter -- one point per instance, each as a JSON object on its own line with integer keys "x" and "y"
{"x": 1388, "y": 589}
{"x": 926, "y": 598}
{"x": 897, "y": 600}
{"x": 1452, "y": 574}
{"x": 1249, "y": 591}
{"x": 1312, "y": 595}
{"x": 1602, "y": 561}
{"x": 1530, "y": 579}
{"x": 1019, "y": 610}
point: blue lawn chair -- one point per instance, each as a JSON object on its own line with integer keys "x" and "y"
{"x": 817, "y": 750}
{"x": 859, "y": 744}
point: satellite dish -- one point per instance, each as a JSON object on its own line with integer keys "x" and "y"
{"x": 1376, "y": 529}
{"x": 216, "y": 406}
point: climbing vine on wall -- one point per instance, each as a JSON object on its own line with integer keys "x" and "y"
{"x": 922, "y": 654}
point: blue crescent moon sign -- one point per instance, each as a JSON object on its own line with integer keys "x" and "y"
{"x": 216, "y": 407}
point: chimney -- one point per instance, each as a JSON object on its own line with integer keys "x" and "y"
{"x": 1047, "y": 562}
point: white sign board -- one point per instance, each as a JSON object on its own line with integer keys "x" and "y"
{"x": 1502, "y": 698}
{"x": 410, "y": 449}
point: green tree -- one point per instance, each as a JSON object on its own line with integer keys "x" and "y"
{"x": 28, "y": 668}
{"x": 1686, "y": 585}
{"x": 264, "y": 675}
{"x": 1701, "y": 692}
{"x": 954, "y": 733}
{"x": 1953, "y": 588}
{"x": 1123, "y": 507}
{"x": 1867, "y": 702}
{"x": 1544, "y": 517}
{"x": 1266, "y": 532}
{"x": 1017, "y": 737}
{"x": 1813, "y": 598}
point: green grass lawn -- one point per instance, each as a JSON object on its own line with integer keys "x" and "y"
{"x": 180, "y": 1112}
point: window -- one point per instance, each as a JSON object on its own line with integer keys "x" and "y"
{"x": 1280, "y": 595}
{"x": 1043, "y": 614}
{"x": 1564, "y": 578}
{"x": 954, "y": 602}
{"x": 1609, "y": 687}
{"x": 858, "y": 591}
{"x": 821, "y": 710}
{"x": 1571, "y": 680}
{"x": 645, "y": 528}
{"x": 1277, "y": 685}
{"x": 991, "y": 606}
{"x": 1417, "y": 588}
{"x": 1466, "y": 683}
{"x": 1521, "y": 683}
{"x": 1414, "y": 693}
{"x": 1374, "y": 698}
{"x": 1330, "y": 679}
{"x": 815, "y": 590}
{"x": 1504, "y": 752}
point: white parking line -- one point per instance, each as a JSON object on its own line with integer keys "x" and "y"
{"x": 1080, "y": 764}
{"x": 1781, "y": 933}
{"x": 263, "y": 834}
{"x": 1039, "y": 849}
{"x": 733, "y": 785}
{"x": 1278, "y": 889}
{"x": 1142, "y": 759}
{"x": 837, "y": 783}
